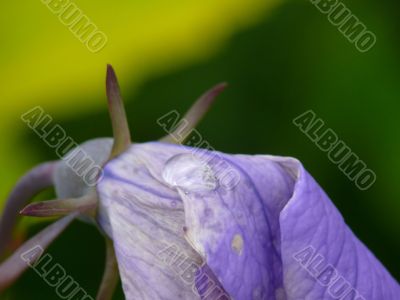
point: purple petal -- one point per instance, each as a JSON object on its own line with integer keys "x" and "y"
{"x": 261, "y": 237}
{"x": 311, "y": 220}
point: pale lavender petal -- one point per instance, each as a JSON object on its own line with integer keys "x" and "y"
{"x": 145, "y": 219}
{"x": 250, "y": 234}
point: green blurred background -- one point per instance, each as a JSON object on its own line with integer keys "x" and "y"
{"x": 280, "y": 58}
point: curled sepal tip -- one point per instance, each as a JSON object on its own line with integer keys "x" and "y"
{"x": 33, "y": 182}
{"x": 57, "y": 208}
{"x": 30, "y": 252}
{"x": 122, "y": 137}
{"x": 194, "y": 115}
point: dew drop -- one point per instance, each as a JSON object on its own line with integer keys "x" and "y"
{"x": 189, "y": 173}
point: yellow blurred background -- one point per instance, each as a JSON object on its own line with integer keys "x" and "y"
{"x": 43, "y": 63}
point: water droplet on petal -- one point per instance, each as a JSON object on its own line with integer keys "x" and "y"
{"x": 190, "y": 174}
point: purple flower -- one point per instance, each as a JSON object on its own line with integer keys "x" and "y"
{"x": 185, "y": 223}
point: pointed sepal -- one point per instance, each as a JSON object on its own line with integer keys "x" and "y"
{"x": 111, "y": 274}
{"x": 29, "y": 252}
{"x": 57, "y": 208}
{"x": 122, "y": 137}
{"x": 194, "y": 115}
{"x": 33, "y": 182}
